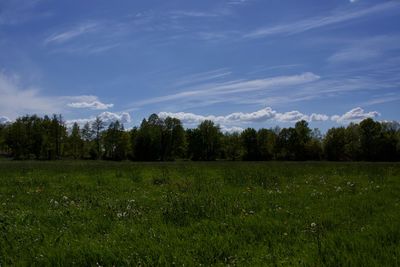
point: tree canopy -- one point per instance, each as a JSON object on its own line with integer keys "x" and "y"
{"x": 165, "y": 139}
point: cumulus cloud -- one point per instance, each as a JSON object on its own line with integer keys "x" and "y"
{"x": 109, "y": 117}
{"x": 263, "y": 115}
{"x": 4, "y": 120}
{"x": 355, "y": 115}
{"x": 233, "y": 129}
{"x": 190, "y": 118}
{"x": 106, "y": 117}
{"x": 96, "y": 105}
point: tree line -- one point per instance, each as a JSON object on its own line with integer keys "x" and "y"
{"x": 165, "y": 139}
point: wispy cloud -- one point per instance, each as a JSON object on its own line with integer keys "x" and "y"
{"x": 203, "y": 77}
{"x": 74, "y": 32}
{"x": 366, "y": 49}
{"x": 238, "y": 2}
{"x": 234, "y": 87}
{"x": 16, "y": 99}
{"x": 377, "y": 100}
{"x": 319, "y": 22}
{"x": 13, "y": 12}
{"x": 192, "y": 14}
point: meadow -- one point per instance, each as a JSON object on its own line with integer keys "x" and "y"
{"x": 96, "y": 213}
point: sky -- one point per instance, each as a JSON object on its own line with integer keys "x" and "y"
{"x": 240, "y": 63}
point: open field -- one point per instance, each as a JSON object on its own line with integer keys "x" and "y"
{"x": 246, "y": 214}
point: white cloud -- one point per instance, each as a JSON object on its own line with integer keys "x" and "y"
{"x": 263, "y": 115}
{"x": 96, "y": 105}
{"x": 77, "y": 31}
{"x": 233, "y": 129}
{"x": 319, "y": 22}
{"x": 4, "y": 119}
{"x": 294, "y": 116}
{"x": 318, "y": 117}
{"x": 237, "y": 117}
{"x": 355, "y": 115}
{"x": 257, "y": 116}
{"x": 106, "y": 117}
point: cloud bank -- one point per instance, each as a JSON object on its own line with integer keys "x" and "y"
{"x": 106, "y": 117}
{"x": 233, "y": 121}
{"x": 263, "y": 115}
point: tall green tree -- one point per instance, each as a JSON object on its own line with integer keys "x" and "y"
{"x": 75, "y": 142}
{"x": 266, "y": 144}
{"x": 88, "y": 144}
{"x": 250, "y": 144}
{"x": 97, "y": 128}
{"x": 205, "y": 141}
{"x": 173, "y": 141}
{"x": 148, "y": 143}
{"x": 335, "y": 144}
{"x": 302, "y": 138}
{"x": 232, "y": 144}
{"x": 286, "y": 144}
{"x": 116, "y": 141}
{"x": 370, "y": 133}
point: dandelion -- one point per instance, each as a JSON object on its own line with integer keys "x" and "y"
{"x": 65, "y": 197}
{"x": 313, "y": 224}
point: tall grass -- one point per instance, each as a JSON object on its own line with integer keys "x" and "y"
{"x": 245, "y": 214}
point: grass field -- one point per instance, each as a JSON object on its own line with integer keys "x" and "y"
{"x": 245, "y": 214}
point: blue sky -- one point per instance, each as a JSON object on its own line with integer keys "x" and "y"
{"x": 240, "y": 63}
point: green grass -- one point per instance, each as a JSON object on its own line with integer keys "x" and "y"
{"x": 245, "y": 214}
